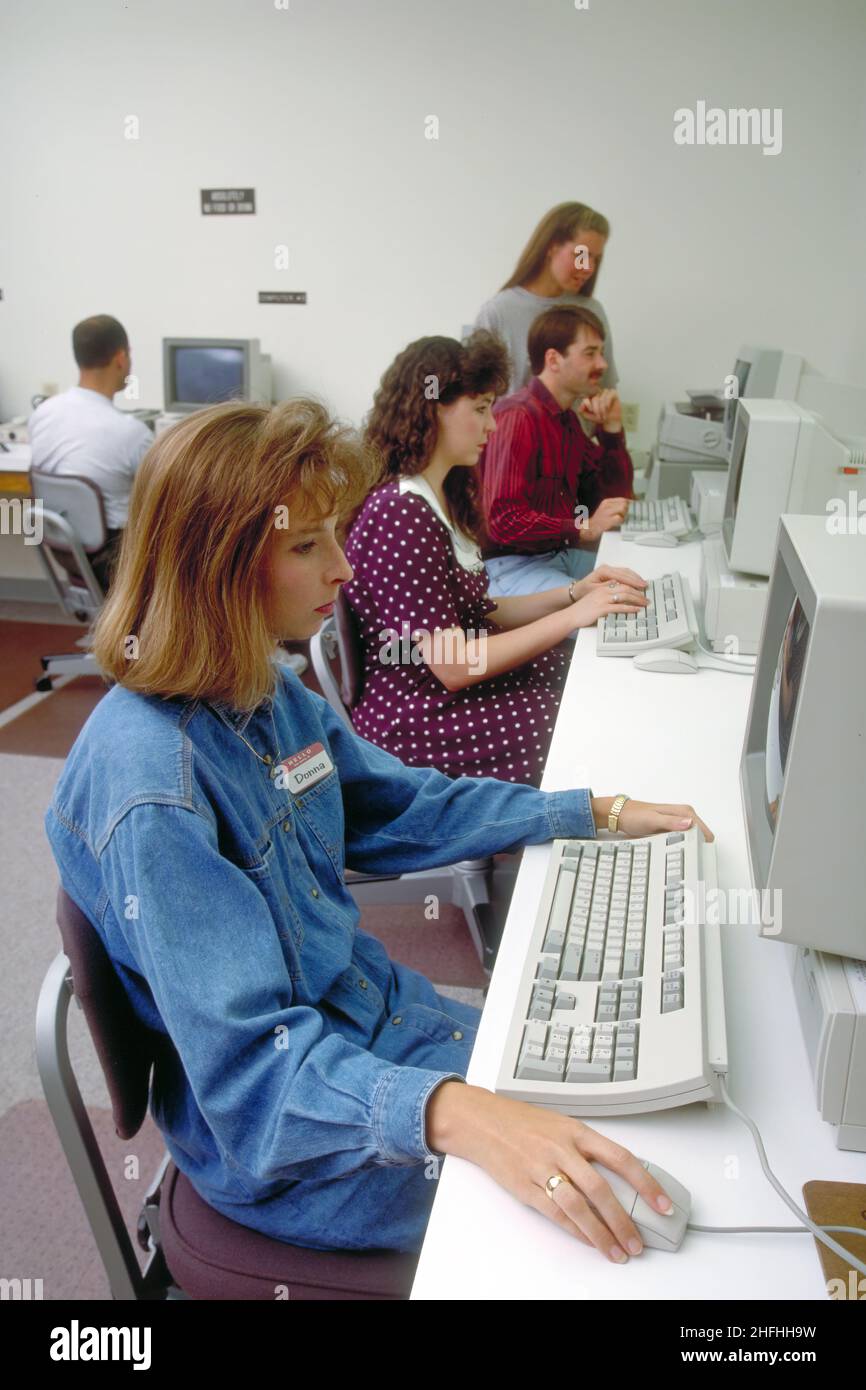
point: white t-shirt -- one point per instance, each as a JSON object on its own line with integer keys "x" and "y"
{"x": 510, "y": 315}
{"x": 81, "y": 431}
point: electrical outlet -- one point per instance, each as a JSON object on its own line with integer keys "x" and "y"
{"x": 630, "y": 417}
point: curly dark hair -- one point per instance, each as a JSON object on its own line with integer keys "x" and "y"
{"x": 402, "y": 425}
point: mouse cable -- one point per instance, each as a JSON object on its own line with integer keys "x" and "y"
{"x": 806, "y": 1222}
{"x": 726, "y": 663}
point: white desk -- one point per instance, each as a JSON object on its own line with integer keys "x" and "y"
{"x": 663, "y": 738}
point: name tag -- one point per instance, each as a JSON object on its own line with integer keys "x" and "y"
{"x": 304, "y": 769}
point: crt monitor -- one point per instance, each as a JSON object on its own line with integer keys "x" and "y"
{"x": 204, "y": 371}
{"x": 803, "y": 767}
{"x": 764, "y": 373}
{"x": 783, "y": 459}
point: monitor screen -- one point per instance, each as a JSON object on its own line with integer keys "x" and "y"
{"x": 207, "y": 375}
{"x": 741, "y": 372}
{"x": 783, "y": 705}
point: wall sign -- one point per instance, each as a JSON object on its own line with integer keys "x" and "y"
{"x": 227, "y": 200}
{"x": 282, "y": 296}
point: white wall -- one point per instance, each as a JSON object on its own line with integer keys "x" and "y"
{"x": 393, "y": 236}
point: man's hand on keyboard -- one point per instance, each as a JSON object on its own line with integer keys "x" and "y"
{"x": 522, "y": 1146}
{"x": 648, "y": 817}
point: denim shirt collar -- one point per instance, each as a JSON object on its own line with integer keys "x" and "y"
{"x": 238, "y": 719}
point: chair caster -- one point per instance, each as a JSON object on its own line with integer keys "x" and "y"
{"x": 82, "y": 616}
{"x": 44, "y": 683}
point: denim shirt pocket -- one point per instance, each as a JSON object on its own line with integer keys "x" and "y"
{"x": 268, "y": 878}
{"x": 321, "y": 808}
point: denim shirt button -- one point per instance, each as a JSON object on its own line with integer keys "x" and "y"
{"x": 267, "y": 759}
{"x": 315, "y": 892}
{"x": 287, "y": 825}
{"x": 457, "y": 1035}
{"x": 396, "y": 1020}
{"x": 362, "y": 984}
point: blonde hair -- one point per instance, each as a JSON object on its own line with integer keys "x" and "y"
{"x": 559, "y": 225}
{"x": 189, "y": 585}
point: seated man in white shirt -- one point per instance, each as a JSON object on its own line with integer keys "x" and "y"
{"x": 80, "y": 431}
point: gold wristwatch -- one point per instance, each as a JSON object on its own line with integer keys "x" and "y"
{"x": 615, "y": 813}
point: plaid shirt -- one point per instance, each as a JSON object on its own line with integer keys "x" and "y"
{"x": 538, "y": 466}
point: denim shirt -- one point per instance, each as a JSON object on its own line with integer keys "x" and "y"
{"x": 298, "y": 1049}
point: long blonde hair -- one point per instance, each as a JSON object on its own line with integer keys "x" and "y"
{"x": 185, "y": 613}
{"x": 560, "y": 224}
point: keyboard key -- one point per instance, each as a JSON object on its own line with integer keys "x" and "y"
{"x": 588, "y": 1071}
{"x": 538, "y": 1069}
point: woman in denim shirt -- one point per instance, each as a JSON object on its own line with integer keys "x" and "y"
{"x": 204, "y": 822}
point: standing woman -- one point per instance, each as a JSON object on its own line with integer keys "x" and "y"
{"x": 477, "y": 694}
{"x": 559, "y": 265}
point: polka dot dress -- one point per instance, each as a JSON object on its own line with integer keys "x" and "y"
{"x": 407, "y": 577}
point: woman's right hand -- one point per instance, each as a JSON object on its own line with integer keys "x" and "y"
{"x": 522, "y": 1146}
{"x": 602, "y": 600}
{"x": 639, "y": 818}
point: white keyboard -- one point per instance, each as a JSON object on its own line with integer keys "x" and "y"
{"x": 668, "y": 514}
{"x": 620, "y": 1007}
{"x": 669, "y": 620}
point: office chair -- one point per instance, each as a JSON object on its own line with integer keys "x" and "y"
{"x": 193, "y": 1252}
{"x": 468, "y": 884}
{"x": 73, "y": 528}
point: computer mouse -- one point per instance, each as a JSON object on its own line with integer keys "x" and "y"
{"x": 655, "y": 538}
{"x": 668, "y": 660}
{"x": 656, "y": 1230}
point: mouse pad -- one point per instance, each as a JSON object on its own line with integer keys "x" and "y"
{"x": 839, "y": 1204}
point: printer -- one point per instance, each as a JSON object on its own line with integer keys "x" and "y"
{"x": 693, "y": 430}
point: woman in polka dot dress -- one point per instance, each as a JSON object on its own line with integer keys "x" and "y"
{"x": 453, "y": 679}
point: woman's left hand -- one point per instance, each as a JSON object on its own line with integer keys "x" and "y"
{"x": 608, "y": 574}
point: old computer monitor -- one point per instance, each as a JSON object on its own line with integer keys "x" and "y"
{"x": 764, "y": 374}
{"x": 783, "y": 459}
{"x": 803, "y": 766}
{"x": 204, "y": 371}
{"x": 767, "y": 374}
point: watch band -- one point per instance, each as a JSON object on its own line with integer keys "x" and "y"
{"x": 615, "y": 812}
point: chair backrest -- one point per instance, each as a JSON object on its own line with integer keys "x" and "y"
{"x": 78, "y": 501}
{"x": 125, "y": 1047}
{"x": 349, "y": 650}
{"x": 339, "y": 638}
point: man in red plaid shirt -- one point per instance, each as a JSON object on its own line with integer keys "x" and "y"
{"x": 548, "y": 490}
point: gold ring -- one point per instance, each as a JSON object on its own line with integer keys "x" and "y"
{"x": 553, "y": 1183}
{"x": 611, "y": 583}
